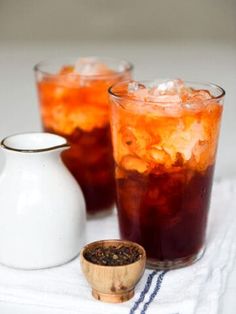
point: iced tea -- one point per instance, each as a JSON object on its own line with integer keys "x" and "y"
{"x": 164, "y": 140}
{"x": 74, "y": 103}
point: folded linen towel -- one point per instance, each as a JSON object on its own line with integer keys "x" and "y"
{"x": 194, "y": 289}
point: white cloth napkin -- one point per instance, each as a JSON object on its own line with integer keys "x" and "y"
{"x": 194, "y": 289}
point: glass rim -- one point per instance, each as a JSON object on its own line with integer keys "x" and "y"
{"x": 128, "y": 66}
{"x": 126, "y": 82}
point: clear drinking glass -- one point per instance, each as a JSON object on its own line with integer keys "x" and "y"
{"x": 74, "y": 103}
{"x": 165, "y": 136}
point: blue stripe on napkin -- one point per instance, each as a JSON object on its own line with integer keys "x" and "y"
{"x": 155, "y": 291}
{"x": 146, "y": 289}
{"x": 144, "y": 292}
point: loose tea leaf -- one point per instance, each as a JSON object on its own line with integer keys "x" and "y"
{"x": 113, "y": 255}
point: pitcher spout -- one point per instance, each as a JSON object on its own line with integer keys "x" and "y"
{"x": 37, "y": 142}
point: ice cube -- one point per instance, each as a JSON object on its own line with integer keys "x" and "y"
{"x": 137, "y": 90}
{"x": 166, "y": 91}
{"x": 168, "y": 87}
{"x": 91, "y": 66}
{"x": 133, "y": 87}
{"x": 165, "y": 99}
{"x": 193, "y": 106}
{"x": 174, "y": 86}
{"x": 195, "y": 99}
{"x": 134, "y": 163}
{"x": 200, "y": 94}
{"x": 158, "y": 154}
{"x": 173, "y": 108}
{"x": 183, "y": 141}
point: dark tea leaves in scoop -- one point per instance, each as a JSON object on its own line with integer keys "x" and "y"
{"x": 112, "y": 255}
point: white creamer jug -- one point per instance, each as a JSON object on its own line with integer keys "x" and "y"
{"x": 42, "y": 209}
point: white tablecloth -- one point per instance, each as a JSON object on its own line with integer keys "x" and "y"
{"x": 194, "y": 289}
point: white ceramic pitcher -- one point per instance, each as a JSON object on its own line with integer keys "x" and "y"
{"x": 42, "y": 209}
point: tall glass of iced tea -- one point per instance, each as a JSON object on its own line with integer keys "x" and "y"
{"x": 74, "y": 103}
{"x": 165, "y": 137}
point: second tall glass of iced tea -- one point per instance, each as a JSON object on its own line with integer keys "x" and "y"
{"x": 74, "y": 103}
{"x": 165, "y": 136}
